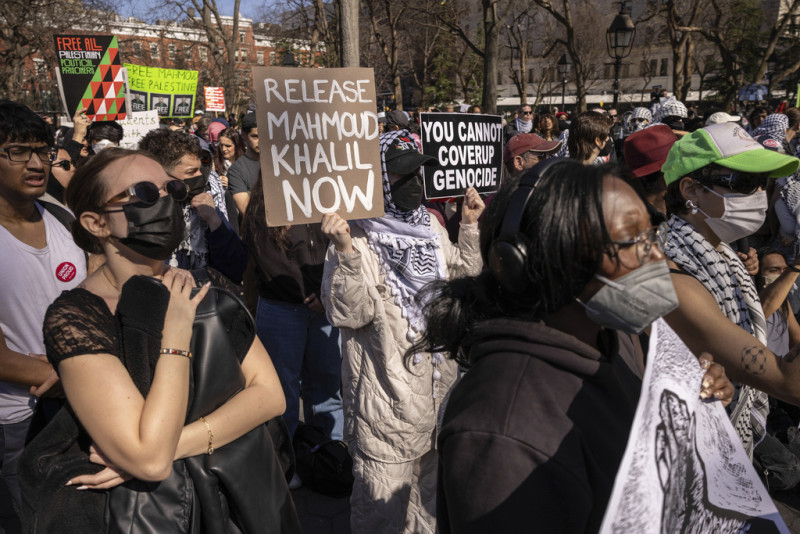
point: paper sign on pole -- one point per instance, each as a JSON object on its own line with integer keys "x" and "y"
{"x": 170, "y": 92}
{"x": 90, "y": 75}
{"x": 469, "y": 149}
{"x": 215, "y": 98}
{"x": 136, "y": 126}
{"x": 322, "y": 153}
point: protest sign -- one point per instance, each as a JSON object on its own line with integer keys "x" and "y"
{"x": 136, "y": 126}
{"x": 170, "y": 92}
{"x": 215, "y": 98}
{"x": 469, "y": 149}
{"x": 90, "y": 75}
{"x": 684, "y": 468}
{"x": 322, "y": 155}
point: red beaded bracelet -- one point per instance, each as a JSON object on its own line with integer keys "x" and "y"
{"x": 178, "y": 352}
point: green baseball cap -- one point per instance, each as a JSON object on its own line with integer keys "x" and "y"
{"x": 725, "y": 144}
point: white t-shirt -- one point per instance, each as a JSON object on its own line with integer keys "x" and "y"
{"x": 30, "y": 280}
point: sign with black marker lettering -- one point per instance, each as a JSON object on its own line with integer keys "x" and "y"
{"x": 469, "y": 148}
{"x": 320, "y": 150}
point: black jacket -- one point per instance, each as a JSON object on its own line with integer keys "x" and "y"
{"x": 534, "y": 433}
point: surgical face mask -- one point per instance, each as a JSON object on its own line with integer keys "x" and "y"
{"x": 633, "y": 301}
{"x": 744, "y": 214}
{"x": 101, "y": 144}
{"x": 154, "y": 230}
{"x": 767, "y": 279}
{"x": 407, "y": 192}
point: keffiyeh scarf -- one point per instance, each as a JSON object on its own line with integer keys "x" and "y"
{"x": 407, "y": 247}
{"x": 524, "y": 126}
{"x": 774, "y": 127}
{"x": 724, "y": 276}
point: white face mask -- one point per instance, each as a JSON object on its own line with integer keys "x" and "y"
{"x": 769, "y": 278}
{"x": 744, "y": 214}
{"x": 102, "y": 144}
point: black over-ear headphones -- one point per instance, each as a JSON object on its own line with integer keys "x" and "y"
{"x": 509, "y": 251}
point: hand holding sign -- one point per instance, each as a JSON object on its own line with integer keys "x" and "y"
{"x": 338, "y": 231}
{"x": 473, "y": 206}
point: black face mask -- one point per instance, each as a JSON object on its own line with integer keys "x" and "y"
{"x": 607, "y": 148}
{"x": 196, "y": 184}
{"x": 154, "y": 230}
{"x": 407, "y": 192}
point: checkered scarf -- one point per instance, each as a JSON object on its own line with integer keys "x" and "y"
{"x": 722, "y": 273}
{"x": 774, "y": 127}
{"x": 671, "y": 108}
{"x": 408, "y": 249}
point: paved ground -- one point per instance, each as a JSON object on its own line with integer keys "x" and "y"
{"x": 320, "y": 514}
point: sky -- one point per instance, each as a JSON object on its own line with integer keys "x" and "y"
{"x": 249, "y": 8}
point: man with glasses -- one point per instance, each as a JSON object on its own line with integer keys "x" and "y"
{"x": 523, "y": 123}
{"x": 525, "y": 150}
{"x": 210, "y": 239}
{"x": 39, "y": 260}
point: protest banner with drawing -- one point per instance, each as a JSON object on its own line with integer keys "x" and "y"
{"x": 469, "y": 149}
{"x": 171, "y": 92}
{"x": 90, "y": 74}
{"x": 323, "y": 154}
{"x": 136, "y": 126}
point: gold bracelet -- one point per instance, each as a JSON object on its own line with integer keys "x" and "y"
{"x": 210, "y": 436}
{"x": 185, "y": 353}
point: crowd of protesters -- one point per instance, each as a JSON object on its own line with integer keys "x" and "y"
{"x": 481, "y": 358}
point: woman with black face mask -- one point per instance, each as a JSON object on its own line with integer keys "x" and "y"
{"x": 370, "y": 286}
{"x": 121, "y": 343}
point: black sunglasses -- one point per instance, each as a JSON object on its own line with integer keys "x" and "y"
{"x": 64, "y": 164}
{"x": 149, "y": 193}
{"x": 742, "y": 183}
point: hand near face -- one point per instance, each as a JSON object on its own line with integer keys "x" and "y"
{"x": 750, "y": 261}
{"x": 204, "y": 204}
{"x": 338, "y": 231}
{"x": 473, "y": 206}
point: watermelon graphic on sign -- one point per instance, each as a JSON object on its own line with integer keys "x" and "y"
{"x": 91, "y": 75}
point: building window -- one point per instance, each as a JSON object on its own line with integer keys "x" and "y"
{"x": 243, "y": 55}
{"x": 260, "y": 57}
{"x": 531, "y": 75}
{"x": 137, "y": 47}
{"x": 272, "y": 58}
{"x": 203, "y": 53}
{"x": 653, "y": 67}
{"x": 664, "y": 63}
{"x": 242, "y": 37}
{"x": 171, "y": 52}
{"x": 187, "y": 51}
{"x": 41, "y": 68}
{"x": 154, "y": 50}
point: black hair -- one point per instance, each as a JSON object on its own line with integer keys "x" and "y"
{"x": 18, "y": 123}
{"x": 763, "y": 252}
{"x": 249, "y": 123}
{"x": 566, "y": 238}
{"x": 169, "y": 146}
{"x": 111, "y": 130}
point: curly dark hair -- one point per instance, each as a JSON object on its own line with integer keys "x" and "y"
{"x": 169, "y": 146}
{"x": 18, "y": 123}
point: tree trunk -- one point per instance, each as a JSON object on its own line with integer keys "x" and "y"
{"x": 349, "y": 34}
{"x": 491, "y": 57}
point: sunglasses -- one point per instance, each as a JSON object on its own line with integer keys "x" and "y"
{"x": 149, "y": 193}
{"x": 527, "y": 112}
{"x": 742, "y": 183}
{"x": 64, "y": 164}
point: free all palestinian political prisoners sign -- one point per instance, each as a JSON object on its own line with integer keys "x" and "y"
{"x": 469, "y": 148}
{"x": 321, "y": 154}
{"x": 170, "y": 92}
{"x": 90, "y": 75}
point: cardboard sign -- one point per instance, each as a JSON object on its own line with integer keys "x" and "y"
{"x": 170, "y": 92}
{"x": 321, "y": 153}
{"x": 215, "y": 98}
{"x": 136, "y": 126}
{"x": 90, "y": 75}
{"x": 469, "y": 148}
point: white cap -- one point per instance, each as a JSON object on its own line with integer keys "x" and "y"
{"x": 720, "y": 116}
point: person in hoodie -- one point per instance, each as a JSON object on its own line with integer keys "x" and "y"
{"x": 535, "y": 431}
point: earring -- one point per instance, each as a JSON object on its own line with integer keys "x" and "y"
{"x": 691, "y": 206}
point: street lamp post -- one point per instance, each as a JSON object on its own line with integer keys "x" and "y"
{"x": 564, "y": 64}
{"x": 619, "y": 41}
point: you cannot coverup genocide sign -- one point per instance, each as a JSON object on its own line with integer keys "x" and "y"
{"x": 469, "y": 149}
{"x": 90, "y": 75}
{"x": 322, "y": 155}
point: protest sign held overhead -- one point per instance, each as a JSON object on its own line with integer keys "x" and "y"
{"x": 469, "y": 149}
{"x": 171, "y": 92}
{"x": 137, "y": 125}
{"x": 90, "y": 75}
{"x": 215, "y": 98}
{"x": 323, "y": 154}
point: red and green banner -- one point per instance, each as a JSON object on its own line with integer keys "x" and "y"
{"x": 90, "y": 74}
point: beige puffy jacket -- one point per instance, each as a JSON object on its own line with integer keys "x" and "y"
{"x": 389, "y": 410}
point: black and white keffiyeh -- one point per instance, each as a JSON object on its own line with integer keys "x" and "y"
{"x": 722, "y": 273}
{"x": 524, "y": 126}
{"x": 774, "y": 126}
{"x": 407, "y": 247}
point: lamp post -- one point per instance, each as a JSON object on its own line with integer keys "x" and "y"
{"x": 619, "y": 41}
{"x": 564, "y": 65}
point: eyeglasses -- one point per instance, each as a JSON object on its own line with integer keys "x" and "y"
{"x": 149, "y": 193}
{"x": 64, "y": 164}
{"x": 527, "y": 112}
{"x": 644, "y": 242}
{"x": 742, "y": 183}
{"x": 22, "y": 154}
{"x": 613, "y": 116}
